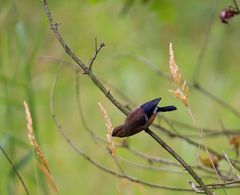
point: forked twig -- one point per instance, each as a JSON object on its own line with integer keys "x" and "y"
{"x": 97, "y": 50}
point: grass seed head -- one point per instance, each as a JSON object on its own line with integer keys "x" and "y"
{"x": 108, "y": 124}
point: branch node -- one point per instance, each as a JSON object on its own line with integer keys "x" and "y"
{"x": 102, "y": 44}
{"x": 55, "y": 26}
{"x": 108, "y": 93}
{"x": 194, "y": 187}
{"x": 66, "y": 48}
{"x": 86, "y": 71}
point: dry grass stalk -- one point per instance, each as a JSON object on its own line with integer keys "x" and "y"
{"x": 226, "y": 157}
{"x": 111, "y": 144}
{"x": 45, "y": 168}
{"x": 215, "y": 162}
{"x": 181, "y": 91}
{"x": 174, "y": 70}
{"x": 48, "y": 176}
{"x": 32, "y": 139}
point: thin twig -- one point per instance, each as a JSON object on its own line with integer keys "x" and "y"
{"x": 156, "y": 168}
{"x": 226, "y": 184}
{"x": 204, "y": 91}
{"x": 97, "y": 50}
{"x": 15, "y": 170}
{"x": 79, "y": 106}
{"x": 226, "y": 157}
{"x": 207, "y": 131}
{"x": 236, "y": 6}
{"x": 194, "y": 143}
{"x": 215, "y": 169}
{"x": 204, "y": 46}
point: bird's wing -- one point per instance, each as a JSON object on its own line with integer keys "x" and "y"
{"x": 150, "y": 106}
{"x": 136, "y": 119}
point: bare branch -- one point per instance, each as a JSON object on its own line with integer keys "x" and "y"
{"x": 97, "y": 50}
{"x": 86, "y": 70}
{"x": 226, "y": 184}
{"x": 226, "y": 157}
{"x": 236, "y": 6}
{"x": 215, "y": 168}
{"x": 192, "y": 142}
{"x": 15, "y": 170}
{"x": 204, "y": 45}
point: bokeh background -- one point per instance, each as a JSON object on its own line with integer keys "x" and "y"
{"x": 137, "y": 37}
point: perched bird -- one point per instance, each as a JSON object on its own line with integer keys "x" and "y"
{"x": 140, "y": 118}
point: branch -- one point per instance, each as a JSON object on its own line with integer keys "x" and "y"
{"x": 236, "y": 6}
{"x": 204, "y": 46}
{"x": 199, "y": 88}
{"x": 194, "y": 143}
{"x": 97, "y": 50}
{"x": 86, "y": 70}
{"x": 226, "y": 184}
{"x": 154, "y": 159}
{"x": 15, "y": 170}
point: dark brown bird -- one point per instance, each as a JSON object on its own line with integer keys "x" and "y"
{"x": 140, "y": 118}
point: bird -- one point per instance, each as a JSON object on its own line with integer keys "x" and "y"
{"x": 140, "y": 118}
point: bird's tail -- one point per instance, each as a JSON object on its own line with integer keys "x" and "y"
{"x": 166, "y": 109}
{"x": 119, "y": 131}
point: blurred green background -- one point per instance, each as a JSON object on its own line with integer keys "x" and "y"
{"x": 29, "y": 60}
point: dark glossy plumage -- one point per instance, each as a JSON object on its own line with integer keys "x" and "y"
{"x": 150, "y": 106}
{"x": 140, "y": 118}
